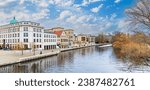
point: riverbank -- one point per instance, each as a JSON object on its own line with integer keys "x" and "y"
{"x": 15, "y": 56}
{"x": 68, "y": 49}
{"x": 132, "y": 47}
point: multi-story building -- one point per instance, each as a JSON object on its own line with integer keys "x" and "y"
{"x": 82, "y": 39}
{"x": 70, "y": 35}
{"x": 91, "y": 39}
{"x": 62, "y": 39}
{"x": 26, "y": 34}
{"x": 57, "y": 29}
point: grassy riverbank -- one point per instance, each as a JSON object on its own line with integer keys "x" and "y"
{"x": 134, "y": 47}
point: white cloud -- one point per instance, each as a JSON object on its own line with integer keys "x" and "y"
{"x": 64, "y": 14}
{"x": 72, "y": 19}
{"x": 5, "y": 2}
{"x": 113, "y": 16}
{"x": 96, "y": 9}
{"x": 68, "y": 15}
{"x": 122, "y": 23}
{"x": 40, "y": 15}
{"x": 21, "y": 2}
{"x": 62, "y": 3}
{"x": 43, "y": 3}
{"x": 86, "y": 2}
{"x": 117, "y": 1}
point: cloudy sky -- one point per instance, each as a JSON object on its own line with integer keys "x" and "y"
{"x": 84, "y": 16}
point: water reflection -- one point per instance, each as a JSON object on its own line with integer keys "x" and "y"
{"x": 86, "y": 60}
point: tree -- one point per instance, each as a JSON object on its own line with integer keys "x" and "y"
{"x": 140, "y": 14}
{"x": 21, "y": 47}
{"x": 33, "y": 48}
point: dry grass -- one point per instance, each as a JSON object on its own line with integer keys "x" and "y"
{"x": 131, "y": 49}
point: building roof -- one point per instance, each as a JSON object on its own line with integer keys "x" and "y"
{"x": 58, "y": 33}
{"x": 14, "y": 21}
{"x": 58, "y": 28}
{"x": 69, "y": 30}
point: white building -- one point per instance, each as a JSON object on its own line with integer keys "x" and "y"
{"x": 26, "y": 34}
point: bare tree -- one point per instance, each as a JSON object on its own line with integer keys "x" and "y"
{"x": 19, "y": 46}
{"x": 33, "y": 48}
{"x": 140, "y": 14}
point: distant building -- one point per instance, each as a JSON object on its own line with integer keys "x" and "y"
{"x": 26, "y": 34}
{"x": 91, "y": 39}
{"x": 57, "y": 29}
{"x": 62, "y": 39}
{"x": 70, "y": 35}
{"x": 82, "y": 39}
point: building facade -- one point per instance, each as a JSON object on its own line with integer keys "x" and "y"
{"x": 62, "y": 39}
{"x": 91, "y": 39}
{"x": 83, "y": 40}
{"x": 26, "y": 35}
{"x": 70, "y": 34}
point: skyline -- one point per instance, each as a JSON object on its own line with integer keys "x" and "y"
{"x": 84, "y": 16}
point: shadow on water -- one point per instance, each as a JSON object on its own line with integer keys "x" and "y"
{"x": 85, "y": 60}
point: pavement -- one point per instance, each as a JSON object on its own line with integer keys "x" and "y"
{"x": 15, "y": 56}
{"x": 11, "y": 56}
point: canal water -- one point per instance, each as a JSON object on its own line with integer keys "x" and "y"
{"x": 86, "y": 60}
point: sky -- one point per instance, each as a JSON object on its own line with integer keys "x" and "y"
{"x": 84, "y": 16}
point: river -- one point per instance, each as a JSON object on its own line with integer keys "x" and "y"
{"x": 86, "y": 60}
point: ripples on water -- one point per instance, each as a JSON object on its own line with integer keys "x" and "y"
{"x": 86, "y": 60}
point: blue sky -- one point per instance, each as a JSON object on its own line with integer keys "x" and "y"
{"x": 84, "y": 16}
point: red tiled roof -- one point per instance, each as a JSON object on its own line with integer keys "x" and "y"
{"x": 58, "y": 33}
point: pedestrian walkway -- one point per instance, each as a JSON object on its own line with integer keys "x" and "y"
{"x": 12, "y": 56}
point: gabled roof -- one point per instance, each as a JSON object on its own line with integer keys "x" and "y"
{"x": 58, "y": 33}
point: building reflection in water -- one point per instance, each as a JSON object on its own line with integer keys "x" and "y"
{"x": 91, "y": 59}
{"x": 44, "y": 64}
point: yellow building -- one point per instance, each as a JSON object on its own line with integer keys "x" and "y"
{"x": 70, "y": 34}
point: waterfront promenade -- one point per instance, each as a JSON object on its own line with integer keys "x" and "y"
{"x": 8, "y": 57}
{"x": 15, "y": 56}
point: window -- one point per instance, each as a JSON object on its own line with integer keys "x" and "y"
{"x": 25, "y": 40}
{"x": 15, "y": 35}
{"x": 25, "y": 28}
{"x": 25, "y": 34}
{"x": 34, "y": 40}
{"x": 25, "y": 22}
{"x": 18, "y": 35}
{"x": 34, "y": 35}
{"x": 37, "y": 35}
